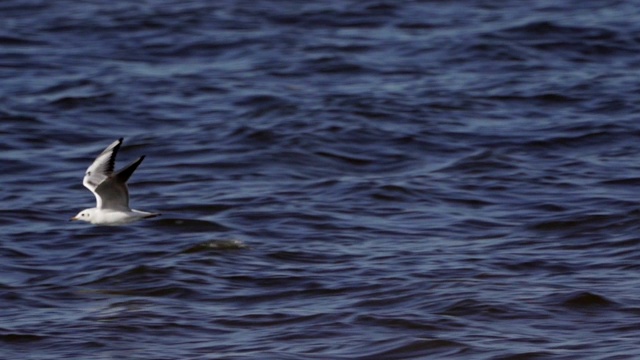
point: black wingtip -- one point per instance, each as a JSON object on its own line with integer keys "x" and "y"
{"x": 119, "y": 143}
{"x": 124, "y": 174}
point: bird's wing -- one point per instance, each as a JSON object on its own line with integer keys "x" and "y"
{"x": 101, "y": 168}
{"x": 113, "y": 192}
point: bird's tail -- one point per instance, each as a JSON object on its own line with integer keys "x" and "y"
{"x": 146, "y": 215}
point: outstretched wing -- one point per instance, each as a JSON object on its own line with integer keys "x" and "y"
{"x": 113, "y": 192}
{"x": 101, "y": 168}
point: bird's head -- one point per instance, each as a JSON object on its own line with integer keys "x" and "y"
{"x": 84, "y": 215}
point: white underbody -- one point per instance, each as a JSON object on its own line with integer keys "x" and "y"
{"x": 116, "y": 217}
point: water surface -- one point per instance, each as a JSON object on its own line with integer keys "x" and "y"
{"x": 338, "y": 180}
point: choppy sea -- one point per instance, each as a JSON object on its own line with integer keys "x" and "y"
{"x": 366, "y": 179}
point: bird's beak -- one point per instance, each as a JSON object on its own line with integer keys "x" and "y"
{"x": 73, "y": 219}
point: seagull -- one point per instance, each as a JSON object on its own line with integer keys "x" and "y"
{"x": 110, "y": 189}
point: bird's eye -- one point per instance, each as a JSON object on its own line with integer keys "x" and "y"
{"x": 88, "y": 173}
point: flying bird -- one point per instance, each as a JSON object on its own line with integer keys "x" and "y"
{"x": 110, "y": 189}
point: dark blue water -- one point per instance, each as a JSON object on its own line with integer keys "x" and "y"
{"x": 338, "y": 180}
